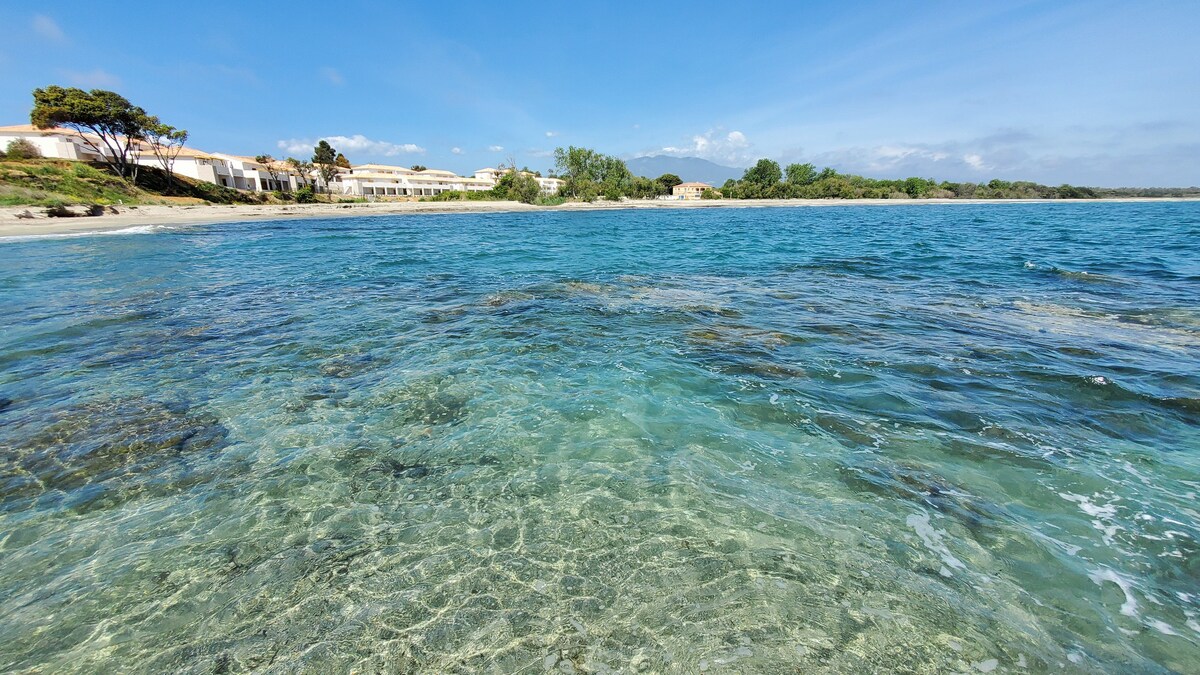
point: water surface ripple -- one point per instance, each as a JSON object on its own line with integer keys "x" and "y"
{"x": 887, "y": 439}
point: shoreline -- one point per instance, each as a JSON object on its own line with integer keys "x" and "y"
{"x": 130, "y": 217}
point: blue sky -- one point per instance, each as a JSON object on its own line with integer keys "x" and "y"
{"x": 1095, "y": 93}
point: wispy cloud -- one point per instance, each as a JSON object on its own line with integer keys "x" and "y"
{"x": 95, "y": 78}
{"x": 48, "y": 28}
{"x": 351, "y": 144}
{"x": 716, "y": 145}
{"x": 551, "y": 134}
{"x": 495, "y": 148}
{"x": 332, "y": 76}
{"x": 456, "y": 151}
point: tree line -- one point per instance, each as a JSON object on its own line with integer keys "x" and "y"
{"x": 766, "y": 180}
{"x": 589, "y": 175}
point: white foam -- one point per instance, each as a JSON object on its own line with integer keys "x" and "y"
{"x": 1162, "y": 627}
{"x": 1130, "y": 606}
{"x": 1099, "y": 512}
{"x": 135, "y": 229}
{"x": 932, "y": 537}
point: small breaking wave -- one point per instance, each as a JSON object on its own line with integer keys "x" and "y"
{"x": 134, "y": 229}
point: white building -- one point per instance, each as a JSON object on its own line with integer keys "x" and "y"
{"x": 57, "y": 143}
{"x": 246, "y": 173}
{"x": 242, "y": 173}
{"x": 549, "y": 185}
{"x": 382, "y": 180}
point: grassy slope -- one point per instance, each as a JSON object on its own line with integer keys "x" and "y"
{"x": 52, "y": 182}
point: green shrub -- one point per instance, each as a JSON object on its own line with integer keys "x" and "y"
{"x": 462, "y": 196}
{"x": 305, "y": 195}
{"x": 710, "y": 193}
{"x": 20, "y": 148}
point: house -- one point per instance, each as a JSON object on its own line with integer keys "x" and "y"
{"x": 690, "y": 190}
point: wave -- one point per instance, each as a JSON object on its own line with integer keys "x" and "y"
{"x": 1074, "y": 275}
{"x": 134, "y": 229}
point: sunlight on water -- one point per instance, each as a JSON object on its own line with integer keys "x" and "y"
{"x": 930, "y": 439}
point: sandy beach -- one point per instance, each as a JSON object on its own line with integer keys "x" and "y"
{"x": 13, "y": 225}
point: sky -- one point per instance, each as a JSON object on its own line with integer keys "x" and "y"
{"x": 1089, "y": 93}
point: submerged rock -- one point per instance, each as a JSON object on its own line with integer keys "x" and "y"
{"x": 103, "y": 445}
{"x": 434, "y": 400}
{"x": 917, "y": 484}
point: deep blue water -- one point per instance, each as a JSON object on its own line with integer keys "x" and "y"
{"x": 911, "y": 438}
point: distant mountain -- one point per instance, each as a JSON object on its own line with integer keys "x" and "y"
{"x": 687, "y": 168}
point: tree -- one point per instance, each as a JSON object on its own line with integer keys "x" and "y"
{"x": 166, "y": 142}
{"x": 518, "y": 186}
{"x": 303, "y": 171}
{"x": 801, "y": 174}
{"x": 668, "y": 181}
{"x": 418, "y": 167}
{"x": 764, "y": 174}
{"x": 587, "y": 172}
{"x": 20, "y": 148}
{"x": 272, "y": 167}
{"x": 97, "y": 116}
{"x": 325, "y": 160}
{"x": 342, "y": 161}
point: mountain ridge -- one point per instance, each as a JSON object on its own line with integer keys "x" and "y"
{"x": 690, "y": 169}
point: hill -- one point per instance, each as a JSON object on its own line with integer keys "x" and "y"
{"x": 57, "y": 182}
{"x": 687, "y": 168}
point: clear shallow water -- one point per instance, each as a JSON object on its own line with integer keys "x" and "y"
{"x": 926, "y": 438}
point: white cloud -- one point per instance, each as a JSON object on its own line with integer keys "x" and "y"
{"x": 949, "y": 160}
{"x": 496, "y": 148}
{"x": 716, "y": 145}
{"x": 351, "y": 144}
{"x": 551, "y": 134}
{"x": 456, "y": 151}
{"x": 48, "y": 28}
{"x": 95, "y": 78}
{"x": 332, "y": 76}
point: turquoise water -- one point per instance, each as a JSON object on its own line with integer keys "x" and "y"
{"x": 907, "y": 439}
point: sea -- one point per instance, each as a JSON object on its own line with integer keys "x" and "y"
{"x": 914, "y": 438}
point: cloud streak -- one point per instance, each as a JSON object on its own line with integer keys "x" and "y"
{"x": 48, "y": 28}
{"x": 332, "y": 76}
{"x": 351, "y": 144}
{"x": 96, "y": 78}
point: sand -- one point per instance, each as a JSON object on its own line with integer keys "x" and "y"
{"x": 141, "y": 216}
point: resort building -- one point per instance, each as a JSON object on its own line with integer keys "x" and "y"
{"x": 690, "y": 190}
{"x": 246, "y": 173}
{"x": 57, "y": 143}
{"x": 549, "y": 185}
{"x": 382, "y": 180}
